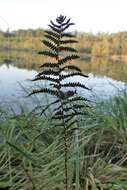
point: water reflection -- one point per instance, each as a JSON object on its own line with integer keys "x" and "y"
{"x": 10, "y": 76}
{"x": 105, "y": 67}
{"x": 114, "y": 69}
{"x": 11, "y": 92}
{"x": 106, "y": 76}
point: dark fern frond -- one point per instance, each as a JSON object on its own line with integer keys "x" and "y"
{"x": 55, "y": 25}
{"x": 75, "y": 84}
{"x": 67, "y": 22}
{"x": 53, "y": 39}
{"x": 78, "y": 106}
{"x": 44, "y": 90}
{"x": 62, "y": 77}
{"x": 74, "y": 114}
{"x": 66, "y": 116}
{"x": 48, "y": 53}
{"x": 58, "y": 115}
{"x": 71, "y": 118}
{"x": 64, "y": 109}
{"x": 76, "y": 99}
{"x": 72, "y": 107}
{"x": 50, "y": 65}
{"x": 48, "y": 72}
{"x": 53, "y": 34}
{"x": 70, "y": 49}
{"x": 60, "y": 94}
{"x": 68, "y": 105}
{"x": 67, "y": 26}
{"x": 47, "y": 78}
{"x": 71, "y": 67}
{"x": 60, "y": 19}
{"x": 50, "y": 45}
{"x": 55, "y": 29}
{"x": 68, "y": 41}
{"x": 68, "y": 58}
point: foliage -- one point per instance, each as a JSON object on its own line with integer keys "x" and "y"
{"x": 32, "y": 154}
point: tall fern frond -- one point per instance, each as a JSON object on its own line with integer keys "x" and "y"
{"x": 69, "y": 105}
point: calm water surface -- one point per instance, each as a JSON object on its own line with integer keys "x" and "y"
{"x": 105, "y": 79}
{"x": 13, "y": 78}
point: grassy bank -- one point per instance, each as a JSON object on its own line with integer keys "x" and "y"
{"x": 31, "y": 150}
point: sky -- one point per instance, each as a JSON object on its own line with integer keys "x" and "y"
{"x": 88, "y": 15}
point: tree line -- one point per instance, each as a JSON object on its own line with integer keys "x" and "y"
{"x": 100, "y": 44}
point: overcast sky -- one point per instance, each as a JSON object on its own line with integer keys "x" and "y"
{"x": 89, "y": 15}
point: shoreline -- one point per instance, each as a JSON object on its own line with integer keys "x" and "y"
{"x": 83, "y": 56}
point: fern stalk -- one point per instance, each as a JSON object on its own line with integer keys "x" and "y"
{"x": 77, "y": 160}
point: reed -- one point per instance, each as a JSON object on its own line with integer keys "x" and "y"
{"x": 32, "y": 154}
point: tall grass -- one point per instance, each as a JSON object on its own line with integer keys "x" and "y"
{"x": 32, "y": 151}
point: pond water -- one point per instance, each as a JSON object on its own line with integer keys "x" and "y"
{"x": 11, "y": 79}
{"x": 105, "y": 79}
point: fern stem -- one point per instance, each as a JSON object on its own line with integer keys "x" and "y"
{"x": 77, "y": 161}
{"x": 66, "y": 158}
{"x": 64, "y": 125}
